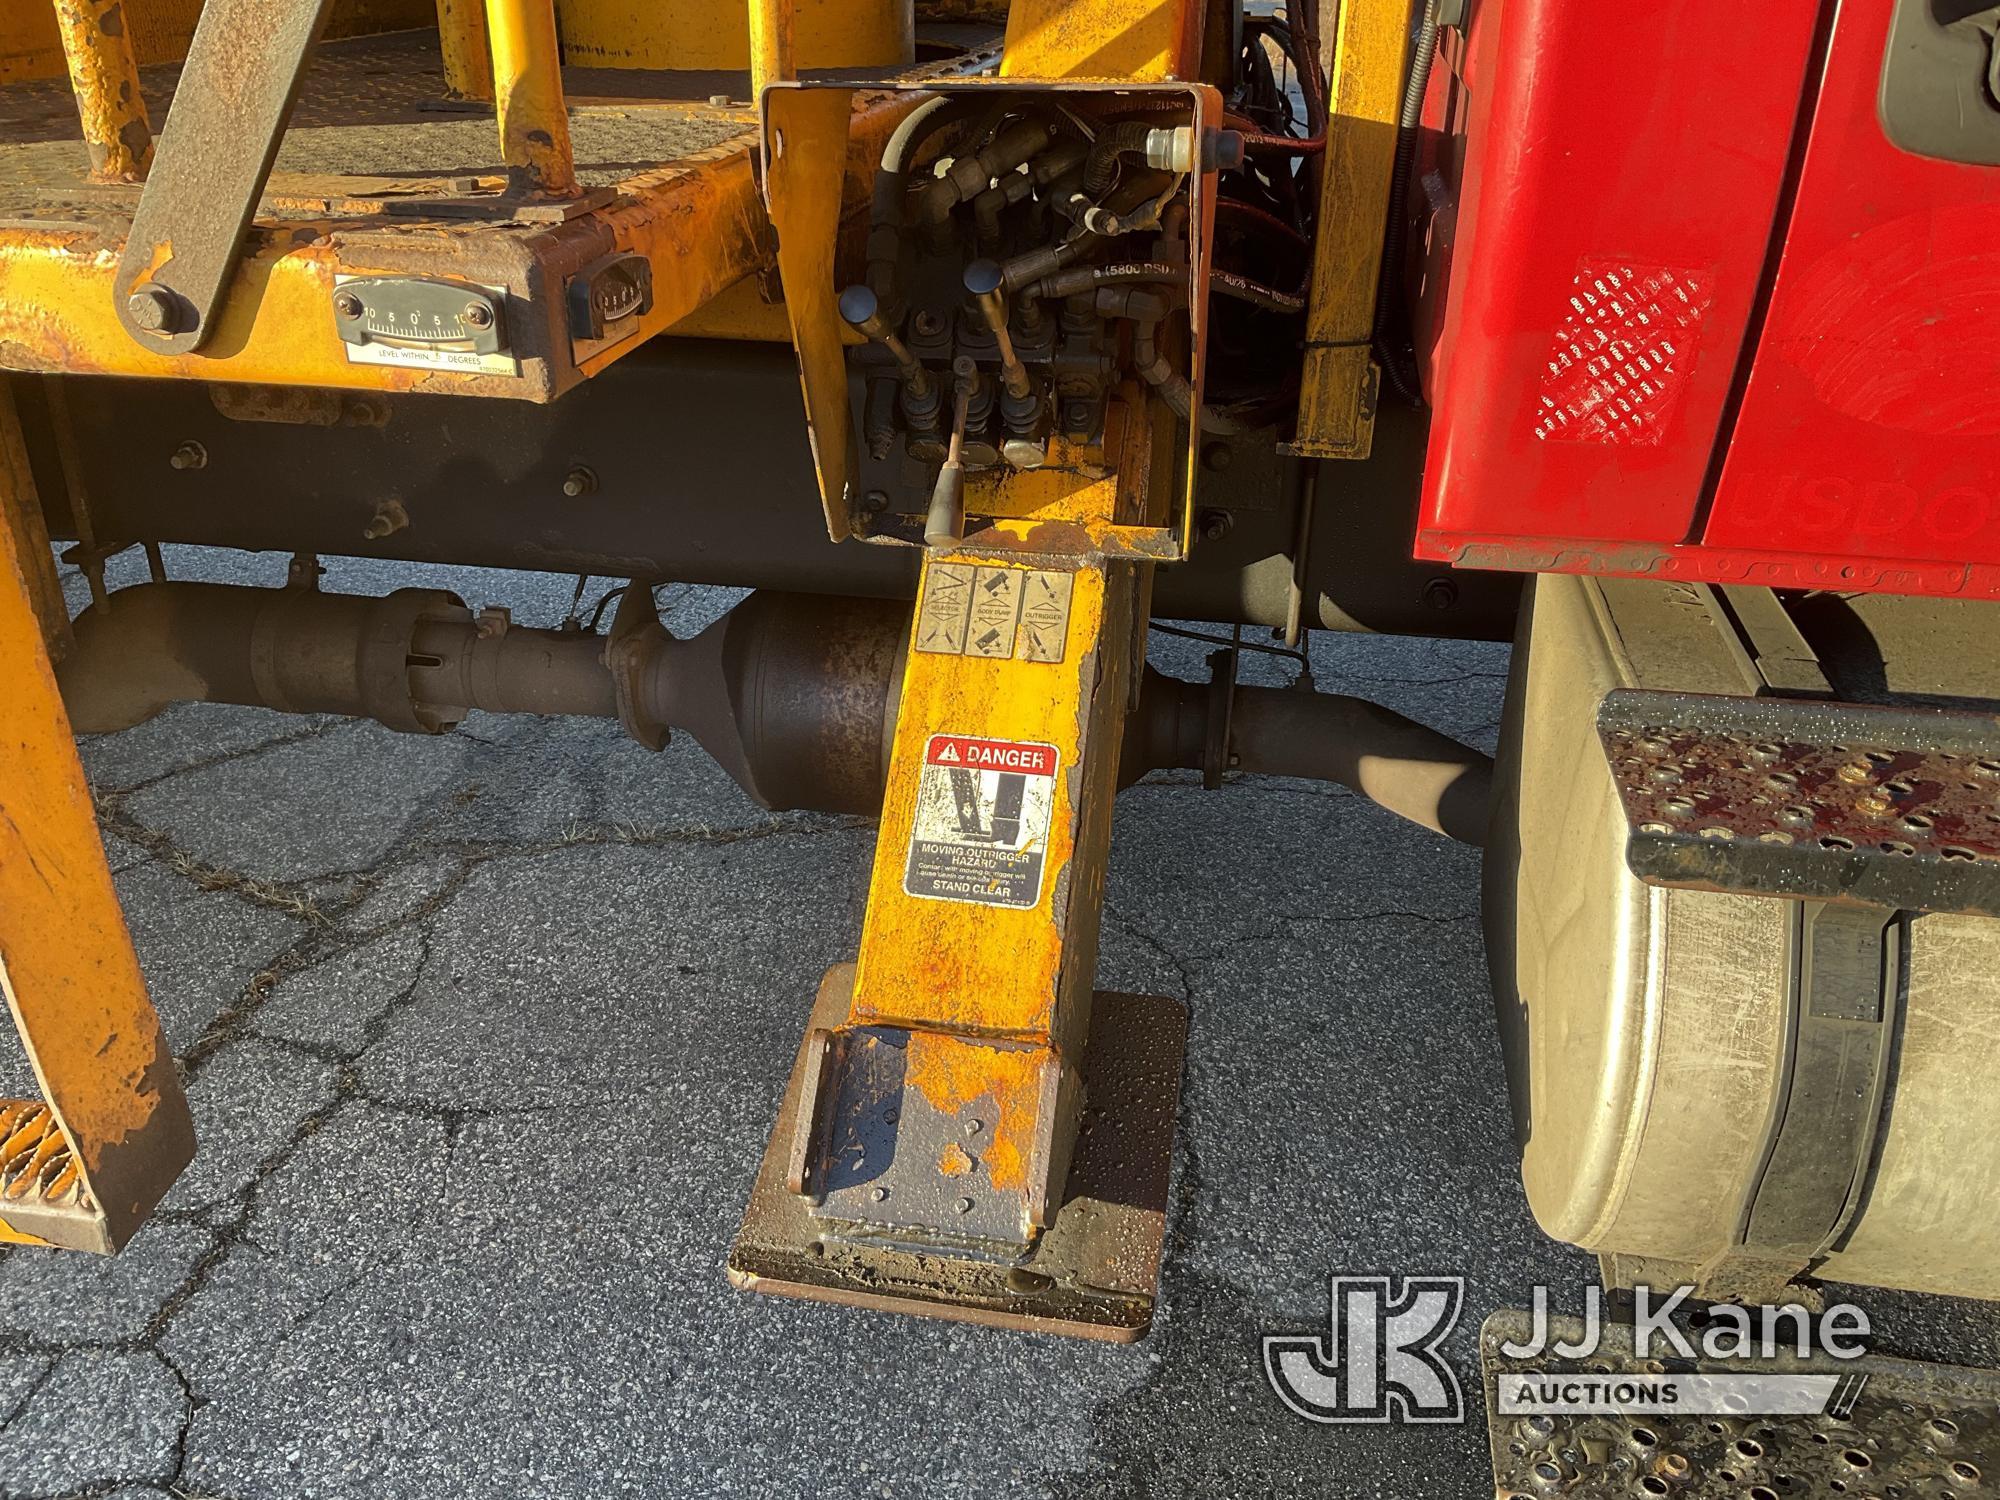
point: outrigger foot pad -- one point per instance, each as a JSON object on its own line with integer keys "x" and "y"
{"x": 1093, "y": 1273}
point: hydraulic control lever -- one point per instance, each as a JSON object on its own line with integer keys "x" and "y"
{"x": 1020, "y": 398}
{"x": 944, "y": 524}
{"x": 862, "y": 310}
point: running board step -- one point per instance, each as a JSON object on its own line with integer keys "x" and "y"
{"x": 1807, "y": 799}
{"x": 1882, "y": 1427}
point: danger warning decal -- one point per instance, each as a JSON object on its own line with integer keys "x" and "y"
{"x": 982, "y": 826}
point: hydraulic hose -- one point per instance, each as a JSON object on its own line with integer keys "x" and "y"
{"x": 1147, "y": 310}
{"x": 1396, "y": 363}
{"x": 886, "y": 211}
{"x": 1100, "y": 167}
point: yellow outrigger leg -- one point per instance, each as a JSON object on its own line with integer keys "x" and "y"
{"x": 82, "y": 1166}
{"x": 971, "y": 1131}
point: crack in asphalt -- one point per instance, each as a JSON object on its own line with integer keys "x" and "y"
{"x": 328, "y": 935}
{"x": 1197, "y": 1300}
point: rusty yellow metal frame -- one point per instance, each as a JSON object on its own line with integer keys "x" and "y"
{"x": 993, "y": 970}
{"x": 773, "y": 56}
{"x": 703, "y": 228}
{"x": 82, "y": 1167}
{"x": 104, "y": 76}
{"x": 1138, "y": 41}
{"x": 30, "y": 46}
{"x": 1370, "y": 54}
{"x": 814, "y": 172}
{"x": 699, "y": 219}
{"x": 528, "y": 90}
{"x": 463, "y": 45}
{"x": 21, "y": 514}
{"x": 1107, "y": 501}
{"x": 702, "y": 35}
{"x": 992, "y": 996}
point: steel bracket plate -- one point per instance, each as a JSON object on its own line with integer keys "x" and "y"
{"x": 1094, "y": 1273}
{"x": 1893, "y": 1427}
{"x": 214, "y": 156}
{"x": 1891, "y": 807}
{"x": 884, "y": 1162}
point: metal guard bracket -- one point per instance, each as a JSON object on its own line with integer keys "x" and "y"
{"x": 1810, "y": 800}
{"x": 214, "y": 156}
{"x": 804, "y": 162}
{"x": 871, "y": 1149}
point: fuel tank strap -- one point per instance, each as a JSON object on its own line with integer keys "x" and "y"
{"x": 1846, "y": 984}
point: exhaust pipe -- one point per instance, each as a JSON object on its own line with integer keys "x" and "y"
{"x": 794, "y": 695}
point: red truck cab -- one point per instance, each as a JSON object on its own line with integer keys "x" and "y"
{"x": 1720, "y": 294}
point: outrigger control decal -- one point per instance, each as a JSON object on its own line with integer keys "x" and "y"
{"x": 982, "y": 826}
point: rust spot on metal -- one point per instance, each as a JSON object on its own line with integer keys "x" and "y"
{"x": 953, "y": 1074}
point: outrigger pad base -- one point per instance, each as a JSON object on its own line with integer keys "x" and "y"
{"x": 1094, "y": 1273}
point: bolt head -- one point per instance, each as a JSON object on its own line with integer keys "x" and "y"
{"x": 578, "y": 482}
{"x": 189, "y": 455}
{"x": 878, "y": 1193}
{"x": 347, "y": 305}
{"x": 1215, "y": 525}
{"x": 478, "y": 315}
{"x": 154, "y": 309}
{"x": 964, "y": 1205}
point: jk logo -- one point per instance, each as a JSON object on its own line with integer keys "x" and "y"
{"x": 1379, "y": 1359}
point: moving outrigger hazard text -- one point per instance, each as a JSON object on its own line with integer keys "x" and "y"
{"x": 982, "y": 824}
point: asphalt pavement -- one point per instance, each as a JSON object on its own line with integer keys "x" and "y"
{"x": 484, "y": 1035}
